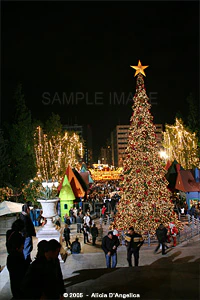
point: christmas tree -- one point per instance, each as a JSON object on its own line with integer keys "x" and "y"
{"x": 145, "y": 202}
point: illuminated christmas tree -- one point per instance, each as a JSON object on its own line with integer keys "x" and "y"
{"x": 181, "y": 145}
{"x": 145, "y": 202}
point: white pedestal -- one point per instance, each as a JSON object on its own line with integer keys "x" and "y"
{"x": 48, "y": 231}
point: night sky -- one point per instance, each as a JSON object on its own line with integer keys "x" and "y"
{"x": 64, "y": 51}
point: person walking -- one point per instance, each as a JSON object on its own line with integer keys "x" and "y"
{"x": 66, "y": 235}
{"x": 87, "y": 219}
{"x": 94, "y": 233}
{"x": 79, "y": 222}
{"x": 75, "y": 211}
{"x": 110, "y": 243}
{"x": 161, "y": 233}
{"x": 71, "y": 215}
{"x": 28, "y": 232}
{"x": 133, "y": 242}
{"x": 86, "y": 231}
{"x": 67, "y": 219}
{"x": 16, "y": 264}
{"x": 103, "y": 213}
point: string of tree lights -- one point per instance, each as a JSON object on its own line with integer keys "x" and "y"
{"x": 145, "y": 202}
{"x": 181, "y": 145}
{"x": 54, "y": 154}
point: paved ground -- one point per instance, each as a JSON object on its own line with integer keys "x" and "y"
{"x": 173, "y": 276}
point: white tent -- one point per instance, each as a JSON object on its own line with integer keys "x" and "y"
{"x": 7, "y": 207}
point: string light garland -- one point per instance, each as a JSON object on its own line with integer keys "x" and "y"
{"x": 6, "y": 193}
{"x": 53, "y": 155}
{"x": 181, "y": 145}
{"x": 145, "y": 202}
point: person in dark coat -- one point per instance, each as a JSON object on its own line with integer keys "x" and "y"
{"x": 44, "y": 279}
{"x": 76, "y": 247}
{"x": 66, "y": 235}
{"x": 161, "y": 233}
{"x": 110, "y": 243}
{"x": 28, "y": 232}
{"x": 133, "y": 241}
{"x": 17, "y": 226}
{"x": 79, "y": 222}
{"x": 67, "y": 220}
{"x": 94, "y": 233}
{"x": 16, "y": 264}
{"x": 86, "y": 230}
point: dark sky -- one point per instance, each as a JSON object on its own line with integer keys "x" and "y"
{"x": 85, "y": 49}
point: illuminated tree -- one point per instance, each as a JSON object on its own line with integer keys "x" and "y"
{"x": 181, "y": 145}
{"x": 55, "y": 153}
{"x": 145, "y": 202}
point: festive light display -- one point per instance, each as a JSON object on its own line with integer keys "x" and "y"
{"x": 139, "y": 68}
{"x": 181, "y": 145}
{"x": 145, "y": 202}
{"x": 6, "y": 193}
{"x": 105, "y": 172}
{"x": 55, "y": 154}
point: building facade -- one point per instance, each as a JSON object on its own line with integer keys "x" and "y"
{"x": 85, "y": 134}
{"x": 119, "y": 142}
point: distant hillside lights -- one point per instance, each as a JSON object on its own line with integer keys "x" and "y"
{"x": 96, "y": 98}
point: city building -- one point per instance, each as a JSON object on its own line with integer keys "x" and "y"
{"x": 85, "y": 134}
{"x": 119, "y": 141}
{"x": 106, "y": 154}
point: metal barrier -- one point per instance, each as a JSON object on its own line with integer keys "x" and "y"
{"x": 190, "y": 230}
{"x": 193, "y": 229}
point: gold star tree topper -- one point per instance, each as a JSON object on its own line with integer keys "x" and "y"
{"x": 139, "y": 68}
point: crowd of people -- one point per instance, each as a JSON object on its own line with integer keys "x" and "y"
{"x": 38, "y": 279}
{"x": 26, "y": 274}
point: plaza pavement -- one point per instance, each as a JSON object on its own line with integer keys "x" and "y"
{"x": 173, "y": 276}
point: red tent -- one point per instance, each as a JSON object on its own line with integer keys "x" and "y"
{"x": 85, "y": 176}
{"x": 186, "y": 182}
{"x": 75, "y": 184}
